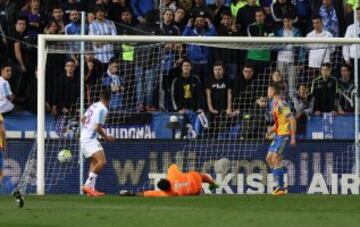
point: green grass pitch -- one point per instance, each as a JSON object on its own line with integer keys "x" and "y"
{"x": 222, "y": 211}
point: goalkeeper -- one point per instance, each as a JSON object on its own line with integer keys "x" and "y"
{"x": 177, "y": 184}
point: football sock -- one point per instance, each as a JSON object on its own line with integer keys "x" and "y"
{"x": 91, "y": 180}
{"x": 279, "y": 176}
{"x": 9, "y": 186}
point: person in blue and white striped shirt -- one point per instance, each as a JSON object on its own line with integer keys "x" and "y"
{"x": 102, "y": 26}
{"x": 6, "y": 96}
{"x": 93, "y": 125}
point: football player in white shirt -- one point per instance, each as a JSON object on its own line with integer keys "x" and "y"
{"x": 93, "y": 121}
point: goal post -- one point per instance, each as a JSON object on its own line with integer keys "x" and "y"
{"x": 222, "y": 42}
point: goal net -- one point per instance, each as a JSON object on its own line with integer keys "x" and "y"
{"x": 219, "y": 119}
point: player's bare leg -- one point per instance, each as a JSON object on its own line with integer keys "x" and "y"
{"x": 268, "y": 159}
{"x": 97, "y": 163}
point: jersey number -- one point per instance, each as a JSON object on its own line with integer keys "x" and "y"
{"x": 88, "y": 117}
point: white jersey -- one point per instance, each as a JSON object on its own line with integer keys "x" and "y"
{"x": 5, "y": 91}
{"x": 95, "y": 114}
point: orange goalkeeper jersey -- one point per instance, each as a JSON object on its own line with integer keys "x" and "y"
{"x": 182, "y": 184}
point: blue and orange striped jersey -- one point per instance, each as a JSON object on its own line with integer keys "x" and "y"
{"x": 281, "y": 113}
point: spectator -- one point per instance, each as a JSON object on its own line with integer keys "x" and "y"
{"x": 347, "y": 91}
{"x": 259, "y": 59}
{"x": 106, "y": 4}
{"x": 200, "y": 8}
{"x": 187, "y": 93}
{"x": 219, "y": 8}
{"x": 90, "y": 17}
{"x": 9, "y": 9}
{"x": 18, "y": 59}
{"x": 246, "y": 16}
{"x": 147, "y": 73}
{"x": 319, "y": 53}
{"x": 218, "y": 92}
{"x": 52, "y": 28}
{"x": 141, "y": 8}
{"x": 324, "y": 89}
{"x": 113, "y": 81}
{"x": 349, "y": 51}
{"x": 35, "y": 19}
{"x": 185, "y": 96}
{"x": 6, "y": 95}
{"x": 93, "y": 72}
{"x": 116, "y": 10}
{"x": 303, "y": 105}
{"x": 330, "y": 19}
{"x": 199, "y": 55}
{"x": 167, "y": 26}
{"x": 57, "y": 15}
{"x": 244, "y": 93}
{"x": 74, "y": 27}
{"x": 286, "y": 56}
{"x": 127, "y": 23}
{"x": 219, "y": 99}
{"x": 67, "y": 89}
{"x": 230, "y": 57}
{"x": 3, "y": 46}
{"x": 180, "y": 19}
{"x": 280, "y": 8}
{"x": 102, "y": 26}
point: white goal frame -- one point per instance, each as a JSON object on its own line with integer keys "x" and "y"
{"x": 42, "y": 52}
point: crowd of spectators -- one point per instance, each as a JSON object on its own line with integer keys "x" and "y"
{"x": 196, "y": 80}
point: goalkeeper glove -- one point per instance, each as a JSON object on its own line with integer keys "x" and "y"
{"x": 213, "y": 186}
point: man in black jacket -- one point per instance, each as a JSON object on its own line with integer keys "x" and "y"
{"x": 246, "y": 16}
{"x": 324, "y": 89}
{"x": 187, "y": 98}
{"x": 67, "y": 90}
{"x": 186, "y": 91}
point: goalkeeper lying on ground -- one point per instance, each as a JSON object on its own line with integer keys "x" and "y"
{"x": 177, "y": 184}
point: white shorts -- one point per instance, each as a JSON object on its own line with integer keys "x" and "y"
{"x": 90, "y": 146}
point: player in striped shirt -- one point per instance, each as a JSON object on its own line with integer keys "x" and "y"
{"x": 285, "y": 130}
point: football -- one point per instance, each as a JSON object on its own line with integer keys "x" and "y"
{"x": 173, "y": 118}
{"x": 64, "y": 156}
{"x": 222, "y": 166}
